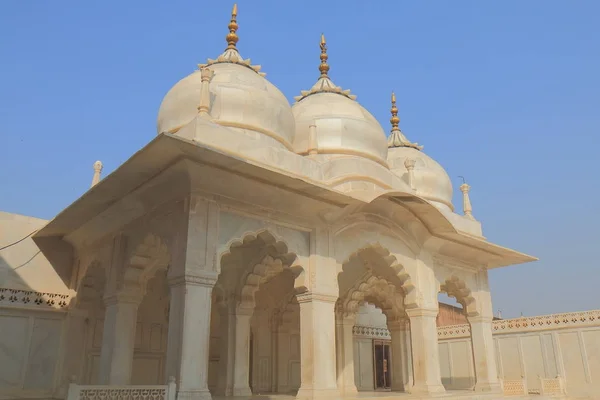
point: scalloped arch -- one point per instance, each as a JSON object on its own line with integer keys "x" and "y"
{"x": 377, "y": 291}
{"x": 390, "y": 260}
{"x": 264, "y": 234}
{"x": 148, "y": 257}
{"x": 458, "y": 289}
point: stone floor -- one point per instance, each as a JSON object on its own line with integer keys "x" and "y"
{"x": 451, "y": 394}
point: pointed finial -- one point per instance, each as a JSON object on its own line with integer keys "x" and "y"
{"x": 397, "y": 138}
{"x": 232, "y": 37}
{"x": 97, "y": 170}
{"x": 395, "y": 120}
{"x": 324, "y": 67}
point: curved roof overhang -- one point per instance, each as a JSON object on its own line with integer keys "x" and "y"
{"x": 169, "y": 152}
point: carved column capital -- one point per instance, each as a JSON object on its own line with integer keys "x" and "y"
{"x": 422, "y": 312}
{"x": 310, "y": 296}
{"x": 474, "y": 319}
{"x": 205, "y": 278}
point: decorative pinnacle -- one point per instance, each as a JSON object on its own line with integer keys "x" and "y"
{"x": 395, "y": 120}
{"x": 97, "y": 171}
{"x": 232, "y": 37}
{"x": 324, "y": 67}
{"x": 397, "y": 138}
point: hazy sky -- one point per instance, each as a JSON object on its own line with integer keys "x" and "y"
{"x": 505, "y": 93}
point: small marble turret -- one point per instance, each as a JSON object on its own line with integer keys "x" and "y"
{"x": 467, "y": 209}
{"x": 97, "y": 171}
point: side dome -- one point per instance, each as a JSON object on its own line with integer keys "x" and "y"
{"x": 230, "y": 92}
{"x": 239, "y": 98}
{"x": 342, "y": 125}
{"x": 429, "y": 179}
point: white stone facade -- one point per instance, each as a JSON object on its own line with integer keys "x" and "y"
{"x": 236, "y": 251}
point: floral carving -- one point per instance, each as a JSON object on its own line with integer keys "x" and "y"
{"x": 371, "y": 332}
{"x": 528, "y": 324}
{"x": 108, "y": 393}
{"x": 15, "y": 297}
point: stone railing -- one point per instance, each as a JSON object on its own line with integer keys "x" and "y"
{"x": 129, "y": 392}
{"x": 371, "y": 332}
{"x": 514, "y": 387}
{"x": 527, "y": 324}
{"x": 29, "y": 298}
{"x": 547, "y": 387}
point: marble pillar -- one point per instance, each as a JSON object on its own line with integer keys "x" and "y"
{"x": 401, "y": 367}
{"x": 425, "y": 353}
{"x": 347, "y": 354}
{"x": 317, "y": 346}
{"x": 486, "y": 373}
{"x": 226, "y": 349}
{"x": 189, "y": 334}
{"x": 118, "y": 339}
{"x": 241, "y": 365}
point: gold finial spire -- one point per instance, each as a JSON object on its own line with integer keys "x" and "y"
{"x": 395, "y": 120}
{"x": 397, "y": 138}
{"x": 232, "y": 37}
{"x": 324, "y": 67}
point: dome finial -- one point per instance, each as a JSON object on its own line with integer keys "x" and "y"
{"x": 232, "y": 37}
{"x": 324, "y": 67}
{"x": 324, "y": 83}
{"x": 395, "y": 120}
{"x": 397, "y": 138}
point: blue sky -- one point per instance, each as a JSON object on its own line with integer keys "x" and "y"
{"x": 505, "y": 93}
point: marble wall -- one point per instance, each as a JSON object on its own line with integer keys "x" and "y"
{"x": 573, "y": 353}
{"x": 30, "y": 346}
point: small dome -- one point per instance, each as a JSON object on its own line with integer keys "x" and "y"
{"x": 343, "y": 126}
{"x": 430, "y": 180}
{"x": 239, "y": 97}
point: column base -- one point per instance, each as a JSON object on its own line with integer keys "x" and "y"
{"x": 310, "y": 394}
{"x": 243, "y": 391}
{"x": 488, "y": 387}
{"x": 350, "y": 390}
{"x": 220, "y": 391}
{"x": 428, "y": 389}
{"x": 194, "y": 395}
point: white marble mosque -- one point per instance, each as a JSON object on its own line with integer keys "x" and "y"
{"x": 258, "y": 248}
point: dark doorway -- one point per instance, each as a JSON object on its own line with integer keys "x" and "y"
{"x": 382, "y": 364}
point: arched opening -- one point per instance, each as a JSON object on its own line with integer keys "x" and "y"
{"x": 372, "y": 349}
{"x": 456, "y": 355}
{"x": 150, "y": 348}
{"x": 372, "y": 338}
{"x": 255, "y": 326}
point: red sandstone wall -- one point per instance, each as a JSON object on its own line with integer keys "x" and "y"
{"x": 450, "y": 315}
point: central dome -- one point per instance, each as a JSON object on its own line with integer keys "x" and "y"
{"x": 342, "y": 125}
{"x": 238, "y": 97}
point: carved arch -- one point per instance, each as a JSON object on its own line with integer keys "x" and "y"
{"x": 149, "y": 256}
{"x": 266, "y": 267}
{"x": 377, "y": 291}
{"x": 265, "y": 235}
{"x": 457, "y": 288}
{"x": 404, "y": 278}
